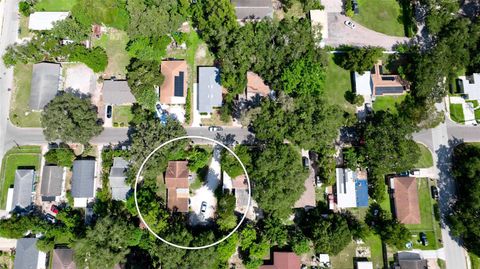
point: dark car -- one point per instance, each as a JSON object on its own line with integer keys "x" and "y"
{"x": 203, "y": 207}
{"x": 423, "y": 239}
{"x": 109, "y": 111}
{"x": 305, "y": 162}
{"x": 404, "y": 174}
{"x": 355, "y": 6}
{"x": 434, "y": 192}
{"x": 50, "y": 218}
{"x": 54, "y": 209}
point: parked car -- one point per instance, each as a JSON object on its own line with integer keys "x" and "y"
{"x": 355, "y": 6}
{"x": 305, "y": 162}
{"x": 434, "y": 190}
{"x": 158, "y": 110}
{"x": 215, "y": 129}
{"x": 50, "y": 218}
{"x": 423, "y": 239}
{"x": 109, "y": 111}
{"x": 54, "y": 209}
{"x": 350, "y": 24}
{"x": 318, "y": 181}
{"x": 203, "y": 207}
{"x": 415, "y": 172}
{"x": 404, "y": 173}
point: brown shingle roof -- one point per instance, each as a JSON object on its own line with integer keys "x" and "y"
{"x": 171, "y": 69}
{"x": 386, "y": 84}
{"x": 63, "y": 259}
{"x": 406, "y": 200}
{"x": 255, "y": 85}
{"x": 240, "y": 183}
{"x": 284, "y": 260}
{"x": 176, "y": 181}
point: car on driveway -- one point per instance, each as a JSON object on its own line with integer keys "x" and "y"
{"x": 50, "y": 218}
{"x": 109, "y": 111}
{"x": 203, "y": 207}
{"x": 215, "y": 129}
{"x": 434, "y": 190}
{"x": 54, "y": 209}
{"x": 306, "y": 162}
{"x": 350, "y": 24}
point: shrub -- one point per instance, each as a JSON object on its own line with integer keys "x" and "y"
{"x": 349, "y": 13}
{"x": 62, "y": 156}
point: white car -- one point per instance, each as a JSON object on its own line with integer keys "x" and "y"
{"x": 215, "y": 129}
{"x": 350, "y": 24}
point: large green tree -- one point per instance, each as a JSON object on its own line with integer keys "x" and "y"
{"x": 231, "y": 165}
{"x": 359, "y": 59}
{"x": 70, "y": 119}
{"x": 70, "y": 29}
{"x": 143, "y": 77}
{"x": 109, "y": 12}
{"x": 304, "y": 77}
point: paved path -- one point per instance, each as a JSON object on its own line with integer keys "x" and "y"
{"x": 339, "y": 34}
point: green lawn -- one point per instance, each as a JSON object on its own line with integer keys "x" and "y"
{"x": 426, "y": 159}
{"x": 381, "y": 16}
{"x": 20, "y": 113}
{"x": 121, "y": 116}
{"x": 477, "y": 112}
{"x": 345, "y": 258}
{"x": 428, "y": 223}
{"x": 24, "y": 32}
{"x": 387, "y": 103}
{"x": 54, "y": 5}
{"x": 25, "y": 156}
{"x": 115, "y": 42}
{"x": 475, "y": 261}
{"x": 337, "y": 83}
{"x": 456, "y": 113}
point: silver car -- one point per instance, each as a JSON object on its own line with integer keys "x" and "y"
{"x": 350, "y": 24}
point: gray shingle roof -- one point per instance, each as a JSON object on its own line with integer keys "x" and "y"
{"x": 23, "y": 188}
{"x": 117, "y": 179}
{"x": 117, "y": 92}
{"x": 256, "y": 9}
{"x": 52, "y": 178}
{"x": 45, "y": 84}
{"x": 63, "y": 259}
{"x": 26, "y": 256}
{"x": 83, "y": 179}
{"x": 209, "y": 89}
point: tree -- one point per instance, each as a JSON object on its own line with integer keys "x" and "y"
{"x": 278, "y": 184}
{"x": 149, "y": 48}
{"x": 391, "y": 231}
{"x": 198, "y": 158}
{"x": 304, "y": 77}
{"x": 70, "y": 29}
{"x": 106, "y": 244}
{"x": 227, "y": 248}
{"x": 359, "y": 59}
{"x": 62, "y": 156}
{"x": 109, "y": 12}
{"x": 95, "y": 58}
{"x": 143, "y": 77}
{"x": 275, "y": 231}
{"x": 299, "y": 242}
{"x": 231, "y": 165}
{"x": 70, "y": 119}
{"x": 253, "y": 246}
{"x": 226, "y": 218}
{"x": 26, "y": 7}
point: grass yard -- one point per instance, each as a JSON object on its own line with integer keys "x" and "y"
{"x": 387, "y": 103}
{"x": 24, "y": 32}
{"x": 428, "y": 223}
{"x": 383, "y": 16}
{"x": 215, "y": 120}
{"x": 477, "y": 111}
{"x": 337, "y": 83}
{"x": 54, "y": 5}
{"x": 475, "y": 261}
{"x": 456, "y": 113}
{"x": 345, "y": 259}
{"x": 115, "y": 42}
{"x": 426, "y": 159}
{"x": 121, "y": 116}
{"x": 25, "y": 156}
{"x": 20, "y": 114}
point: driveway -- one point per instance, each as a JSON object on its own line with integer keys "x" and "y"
{"x": 339, "y": 34}
{"x": 206, "y": 193}
{"x": 332, "y": 5}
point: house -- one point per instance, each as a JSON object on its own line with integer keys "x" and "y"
{"x": 41, "y": 21}
{"x": 363, "y": 84}
{"x": 83, "y": 182}
{"x": 319, "y": 23}
{"x": 284, "y": 260}
{"x": 383, "y": 84}
{"x": 409, "y": 260}
{"x": 405, "y": 194}
{"x": 27, "y": 256}
{"x": 364, "y": 265}
{"x": 52, "y": 183}
{"x": 209, "y": 94}
{"x": 176, "y": 181}
{"x": 117, "y": 92}
{"x": 351, "y": 188}
{"x": 256, "y": 87}
{"x": 62, "y": 258}
{"x": 23, "y": 188}
{"x": 119, "y": 188}
{"x": 470, "y": 86}
{"x": 45, "y": 84}
{"x": 174, "y": 88}
{"x": 253, "y": 9}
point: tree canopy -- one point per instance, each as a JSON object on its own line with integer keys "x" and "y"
{"x": 70, "y": 119}
{"x": 231, "y": 165}
{"x": 359, "y": 59}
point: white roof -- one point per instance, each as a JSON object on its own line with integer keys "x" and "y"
{"x": 346, "y": 195}
{"x": 9, "y": 206}
{"x": 45, "y": 20}
{"x": 319, "y": 18}
{"x": 364, "y": 265}
{"x": 472, "y": 89}
{"x": 363, "y": 84}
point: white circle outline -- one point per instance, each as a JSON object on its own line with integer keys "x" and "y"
{"x": 192, "y": 137}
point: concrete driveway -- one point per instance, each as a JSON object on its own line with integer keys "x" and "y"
{"x": 206, "y": 193}
{"x": 339, "y": 34}
{"x": 333, "y": 5}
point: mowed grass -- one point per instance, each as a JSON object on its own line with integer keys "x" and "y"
{"x": 337, "y": 83}
{"x": 115, "y": 43}
{"x": 345, "y": 259}
{"x": 122, "y": 115}
{"x": 55, "y": 5}
{"x": 387, "y": 103}
{"x": 25, "y": 156}
{"x": 475, "y": 261}
{"x": 381, "y": 15}
{"x": 20, "y": 113}
{"x": 456, "y": 113}
{"x": 426, "y": 159}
